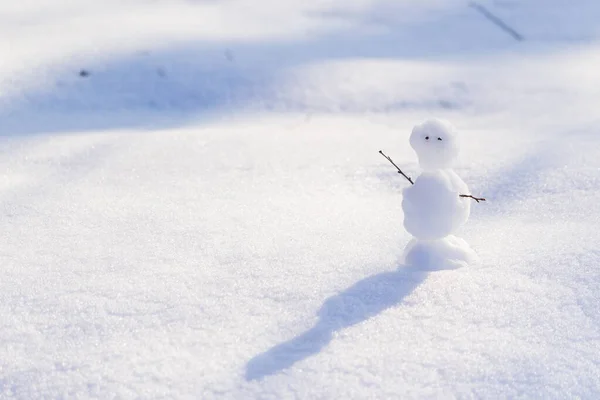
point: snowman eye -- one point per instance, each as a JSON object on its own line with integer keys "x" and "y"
{"x": 426, "y": 137}
{"x": 439, "y": 138}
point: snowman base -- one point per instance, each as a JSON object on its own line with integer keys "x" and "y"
{"x": 449, "y": 252}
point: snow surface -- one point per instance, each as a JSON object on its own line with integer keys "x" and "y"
{"x": 194, "y": 207}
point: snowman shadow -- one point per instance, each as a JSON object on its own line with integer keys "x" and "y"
{"x": 364, "y": 300}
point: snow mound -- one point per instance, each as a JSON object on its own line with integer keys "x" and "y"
{"x": 450, "y": 252}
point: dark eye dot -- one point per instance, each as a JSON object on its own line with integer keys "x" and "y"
{"x": 426, "y": 137}
{"x": 439, "y": 138}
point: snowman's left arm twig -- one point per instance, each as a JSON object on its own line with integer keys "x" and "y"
{"x": 398, "y": 168}
{"x": 477, "y": 199}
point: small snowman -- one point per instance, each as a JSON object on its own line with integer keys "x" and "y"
{"x": 436, "y": 205}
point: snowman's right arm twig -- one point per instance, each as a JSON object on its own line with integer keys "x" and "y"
{"x": 477, "y": 199}
{"x": 398, "y": 168}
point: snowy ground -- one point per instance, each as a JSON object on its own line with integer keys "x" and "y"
{"x": 205, "y": 214}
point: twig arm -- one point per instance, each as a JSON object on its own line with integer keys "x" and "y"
{"x": 398, "y": 168}
{"x": 477, "y": 199}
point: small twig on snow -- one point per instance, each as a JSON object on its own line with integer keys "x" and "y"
{"x": 477, "y": 199}
{"x": 496, "y": 21}
{"x": 398, "y": 168}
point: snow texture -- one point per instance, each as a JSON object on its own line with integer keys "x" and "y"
{"x": 194, "y": 207}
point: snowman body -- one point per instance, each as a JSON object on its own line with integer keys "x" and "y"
{"x": 433, "y": 208}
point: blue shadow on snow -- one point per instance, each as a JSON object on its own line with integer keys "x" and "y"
{"x": 363, "y": 300}
{"x": 201, "y": 80}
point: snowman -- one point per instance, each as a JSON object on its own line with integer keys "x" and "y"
{"x": 436, "y": 205}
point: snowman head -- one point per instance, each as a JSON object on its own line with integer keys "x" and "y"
{"x": 435, "y": 142}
